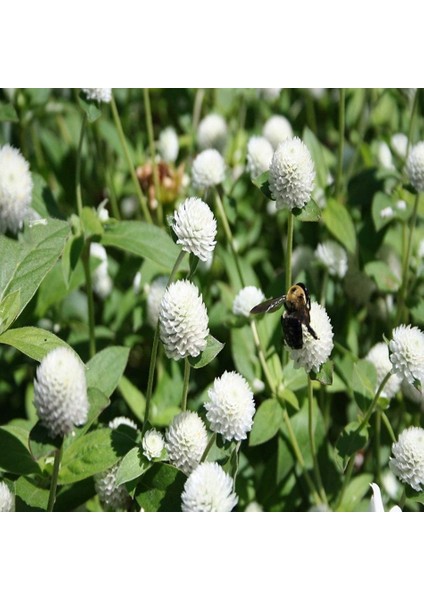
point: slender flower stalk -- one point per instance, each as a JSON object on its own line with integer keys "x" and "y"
{"x": 289, "y": 249}
{"x": 405, "y": 263}
{"x": 211, "y": 441}
{"x": 186, "y": 383}
{"x": 341, "y": 143}
{"x": 55, "y": 476}
{"x": 150, "y": 135}
{"x": 411, "y": 122}
{"x": 229, "y": 235}
{"x": 197, "y": 111}
{"x": 317, "y": 472}
{"x": 78, "y": 165}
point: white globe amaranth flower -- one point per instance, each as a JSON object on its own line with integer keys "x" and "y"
{"x": 195, "y": 227}
{"x": 117, "y": 421}
{"x": 376, "y": 503}
{"x": 183, "y": 321}
{"x": 315, "y": 352}
{"x": 246, "y": 299}
{"x": 111, "y": 496}
{"x": 102, "y": 282}
{"x": 231, "y": 406}
{"x": 98, "y": 94}
{"x": 153, "y": 444}
{"x": 384, "y": 156}
{"x": 379, "y": 357}
{"x": 415, "y": 166}
{"x": 269, "y": 94}
{"x": 154, "y": 298}
{"x": 408, "y": 458}
{"x": 399, "y": 142}
{"x": 212, "y": 132}
{"x": 186, "y": 440}
{"x": 291, "y": 174}
{"x": 259, "y": 155}
{"x": 168, "y": 145}
{"x": 208, "y": 489}
{"x": 60, "y": 391}
{"x": 15, "y": 189}
{"x": 208, "y": 169}
{"x": 407, "y": 353}
{"x": 276, "y": 130}
{"x": 7, "y": 498}
{"x": 333, "y": 257}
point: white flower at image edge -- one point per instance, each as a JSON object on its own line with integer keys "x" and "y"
{"x": 15, "y": 189}
{"x": 407, "y": 462}
{"x": 259, "y": 155}
{"x": 98, "y": 94}
{"x": 246, "y": 299}
{"x": 183, "y": 321}
{"x": 153, "y": 444}
{"x": 376, "y": 503}
{"x": 315, "y": 351}
{"x": 186, "y": 440}
{"x": 195, "y": 227}
{"x": 332, "y": 256}
{"x": 168, "y": 145}
{"x": 7, "y": 499}
{"x": 379, "y": 357}
{"x": 208, "y": 169}
{"x": 415, "y": 166}
{"x": 277, "y": 129}
{"x": 407, "y": 353}
{"x": 208, "y": 489}
{"x": 212, "y": 132}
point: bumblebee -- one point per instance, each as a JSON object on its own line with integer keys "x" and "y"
{"x": 297, "y": 304}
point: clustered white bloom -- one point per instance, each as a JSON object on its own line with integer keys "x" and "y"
{"x": 399, "y": 142}
{"x": 208, "y": 489}
{"x": 15, "y": 189}
{"x": 231, "y": 406}
{"x": 186, "y": 440}
{"x": 259, "y": 155}
{"x": 183, "y": 320}
{"x": 379, "y": 357}
{"x": 246, "y": 299}
{"x": 195, "y": 227}
{"x": 117, "y": 421}
{"x": 415, "y": 166}
{"x": 408, "y": 457}
{"x": 60, "y": 391}
{"x": 98, "y": 94}
{"x": 168, "y": 145}
{"x": 153, "y": 444}
{"x": 276, "y": 130}
{"x": 208, "y": 169}
{"x": 102, "y": 281}
{"x": 376, "y": 503}
{"x": 269, "y": 94}
{"x": 111, "y": 496}
{"x": 7, "y": 498}
{"x": 384, "y": 156}
{"x": 291, "y": 174}
{"x": 314, "y": 352}
{"x": 334, "y": 257}
{"x": 154, "y": 298}
{"x": 212, "y": 132}
{"x": 407, "y": 353}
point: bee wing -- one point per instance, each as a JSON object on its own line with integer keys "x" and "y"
{"x": 269, "y": 305}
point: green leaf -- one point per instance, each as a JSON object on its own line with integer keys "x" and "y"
{"x": 132, "y": 466}
{"x": 97, "y": 401}
{"x": 414, "y": 495}
{"x": 32, "y": 341}
{"x": 262, "y": 183}
{"x": 29, "y": 496}
{"x": 90, "y": 108}
{"x": 213, "y": 348}
{"x": 91, "y": 223}
{"x": 267, "y": 422}
{"x": 289, "y": 396}
{"x": 364, "y": 379}
{"x": 43, "y": 201}
{"x": 142, "y": 239}
{"x": 339, "y": 222}
{"x": 9, "y": 309}
{"x": 317, "y": 154}
{"x": 160, "y": 489}
{"x": 349, "y": 442}
{"x": 417, "y": 312}
{"x": 383, "y": 276}
{"x": 325, "y": 374}
{"x": 133, "y": 397}
{"x": 106, "y": 368}
{"x": 41, "y": 443}
{"x": 379, "y": 203}
{"x": 71, "y": 254}
{"x": 15, "y": 456}
{"x": 8, "y": 113}
{"x": 309, "y": 213}
{"x": 355, "y": 491}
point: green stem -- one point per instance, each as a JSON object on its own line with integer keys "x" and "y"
{"x": 324, "y": 288}
{"x": 151, "y": 137}
{"x": 90, "y": 300}
{"x": 185, "y": 385}
{"x": 261, "y": 355}
{"x": 411, "y": 123}
{"x": 137, "y": 188}
{"x": 377, "y": 441}
{"x": 197, "y": 111}
{"x": 229, "y": 235}
{"x": 346, "y": 481}
{"x": 310, "y": 113}
{"x": 55, "y": 477}
{"x": 312, "y": 442}
{"x": 210, "y": 443}
{"x": 341, "y": 143}
{"x": 289, "y": 249}
{"x": 406, "y": 260}
{"x": 388, "y": 427}
{"x": 373, "y": 404}
{"x": 78, "y": 166}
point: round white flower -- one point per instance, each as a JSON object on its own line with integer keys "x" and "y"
{"x": 384, "y": 156}
{"x": 415, "y": 166}
{"x": 208, "y": 169}
{"x": 231, "y": 406}
{"x": 334, "y": 257}
{"x": 276, "y": 130}
{"x": 183, "y": 321}
{"x": 60, "y": 391}
{"x": 195, "y": 227}
{"x": 269, "y": 94}
{"x": 212, "y": 133}
{"x": 208, "y": 489}
{"x": 98, "y": 94}
{"x": 379, "y": 357}
{"x": 186, "y": 440}
{"x": 246, "y": 299}
{"x": 399, "y": 142}
{"x": 7, "y": 499}
{"x": 315, "y": 352}
{"x": 407, "y": 353}
{"x": 117, "y": 421}
{"x": 291, "y": 174}
{"x": 254, "y": 507}
{"x": 102, "y": 282}
{"x": 153, "y": 444}
{"x": 111, "y": 496}
{"x": 15, "y": 189}
{"x": 259, "y": 155}
{"x": 408, "y": 458}
{"x": 168, "y": 145}
{"x": 154, "y": 298}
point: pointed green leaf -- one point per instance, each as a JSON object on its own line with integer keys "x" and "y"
{"x": 8, "y": 113}
{"x": 383, "y": 276}
{"x": 213, "y": 348}
{"x": 160, "y": 489}
{"x": 351, "y": 440}
{"x": 133, "y": 397}
{"x": 339, "y": 222}
{"x": 15, "y": 456}
{"x": 267, "y": 422}
{"x": 9, "y": 309}
{"x": 106, "y": 368}
{"x": 32, "y": 341}
{"x": 90, "y": 107}
{"x": 262, "y": 183}
{"x": 132, "y": 466}
{"x": 309, "y": 213}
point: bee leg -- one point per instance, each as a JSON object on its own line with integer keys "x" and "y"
{"x": 312, "y": 332}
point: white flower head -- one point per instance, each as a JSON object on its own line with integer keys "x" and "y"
{"x": 7, "y": 498}
{"x": 117, "y": 421}
{"x": 246, "y": 299}
{"x": 408, "y": 458}
{"x": 276, "y": 130}
{"x": 314, "y": 352}
{"x": 379, "y": 357}
{"x": 102, "y": 282}
{"x": 407, "y": 353}
{"x": 111, "y": 496}
{"x": 399, "y": 142}
{"x": 415, "y": 166}
{"x": 208, "y": 489}
{"x": 60, "y": 391}
{"x": 212, "y": 133}
{"x": 208, "y": 169}
{"x": 270, "y": 94}
{"x": 195, "y": 227}
{"x": 168, "y": 145}
{"x": 384, "y": 156}
{"x": 231, "y": 406}
{"x": 291, "y": 174}
{"x": 154, "y": 298}
{"x": 259, "y": 155}
{"x": 412, "y": 393}
{"x": 15, "y": 189}
{"x": 98, "y": 94}
{"x": 334, "y": 257}
{"x": 376, "y": 503}
{"x": 183, "y": 321}
{"x": 186, "y": 440}
{"x": 153, "y": 444}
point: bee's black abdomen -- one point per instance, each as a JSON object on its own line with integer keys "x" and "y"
{"x": 292, "y": 329}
